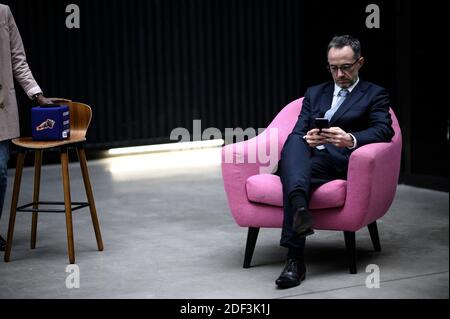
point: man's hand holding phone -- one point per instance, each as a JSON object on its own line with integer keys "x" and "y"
{"x": 338, "y": 137}
{"x": 324, "y": 134}
{"x": 314, "y": 137}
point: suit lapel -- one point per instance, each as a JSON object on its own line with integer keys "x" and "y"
{"x": 353, "y": 97}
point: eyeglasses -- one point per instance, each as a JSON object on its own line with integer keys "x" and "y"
{"x": 344, "y": 67}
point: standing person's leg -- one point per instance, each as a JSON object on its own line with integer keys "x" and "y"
{"x": 4, "y": 157}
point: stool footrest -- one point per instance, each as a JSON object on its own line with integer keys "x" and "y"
{"x": 75, "y": 206}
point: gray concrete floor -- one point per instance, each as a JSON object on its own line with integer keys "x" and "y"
{"x": 168, "y": 233}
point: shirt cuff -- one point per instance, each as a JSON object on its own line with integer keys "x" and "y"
{"x": 33, "y": 91}
{"x": 355, "y": 142}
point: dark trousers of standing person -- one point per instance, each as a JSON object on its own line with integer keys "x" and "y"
{"x": 302, "y": 169}
{"x": 4, "y": 156}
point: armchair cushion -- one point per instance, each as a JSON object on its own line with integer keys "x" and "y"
{"x": 267, "y": 189}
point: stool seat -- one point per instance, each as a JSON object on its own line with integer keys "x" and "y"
{"x": 80, "y": 118}
{"x": 28, "y": 142}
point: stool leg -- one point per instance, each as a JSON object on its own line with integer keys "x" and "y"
{"x": 68, "y": 204}
{"x": 90, "y": 197}
{"x": 37, "y": 184}
{"x": 14, "y": 201}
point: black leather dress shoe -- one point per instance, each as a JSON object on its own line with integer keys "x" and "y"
{"x": 2, "y": 244}
{"x": 293, "y": 274}
{"x": 303, "y": 222}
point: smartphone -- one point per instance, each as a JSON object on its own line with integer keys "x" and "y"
{"x": 322, "y": 123}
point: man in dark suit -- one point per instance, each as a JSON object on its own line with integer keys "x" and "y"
{"x": 358, "y": 114}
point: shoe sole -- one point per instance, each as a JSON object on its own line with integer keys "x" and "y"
{"x": 284, "y": 285}
{"x": 309, "y": 232}
{"x": 305, "y": 226}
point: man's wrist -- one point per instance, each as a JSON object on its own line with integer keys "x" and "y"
{"x": 352, "y": 141}
{"x": 35, "y": 96}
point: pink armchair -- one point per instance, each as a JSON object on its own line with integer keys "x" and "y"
{"x": 256, "y": 201}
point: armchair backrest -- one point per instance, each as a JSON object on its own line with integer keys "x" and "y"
{"x": 286, "y": 119}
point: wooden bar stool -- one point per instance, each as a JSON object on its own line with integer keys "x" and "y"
{"x": 80, "y": 118}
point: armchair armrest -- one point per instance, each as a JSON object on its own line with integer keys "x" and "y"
{"x": 371, "y": 182}
{"x": 245, "y": 159}
{"x": 258, "y": 155}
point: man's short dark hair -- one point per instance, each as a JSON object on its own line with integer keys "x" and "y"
{"x": 338, "y": 42}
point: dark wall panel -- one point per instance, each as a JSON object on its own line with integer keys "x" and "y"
{"x": 147, "y": 67}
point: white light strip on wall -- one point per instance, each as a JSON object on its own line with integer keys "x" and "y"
{"x": 150, "y": 165}
{"x": 166, "y": 147}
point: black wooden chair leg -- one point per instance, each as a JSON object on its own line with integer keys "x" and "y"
{"x": 373, "y": 230}
{"x": 252, "y": 236}
{"x": 350, "y": 244}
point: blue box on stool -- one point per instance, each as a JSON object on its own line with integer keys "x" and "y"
{"x": 50, "y": 123}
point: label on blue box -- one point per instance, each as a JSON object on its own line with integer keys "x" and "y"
{"x": 50, "y": 123}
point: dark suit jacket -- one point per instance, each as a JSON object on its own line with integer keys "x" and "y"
{"x": 364, "y": 113}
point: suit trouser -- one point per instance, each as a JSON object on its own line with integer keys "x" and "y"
{"x": 303, "y": 168}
